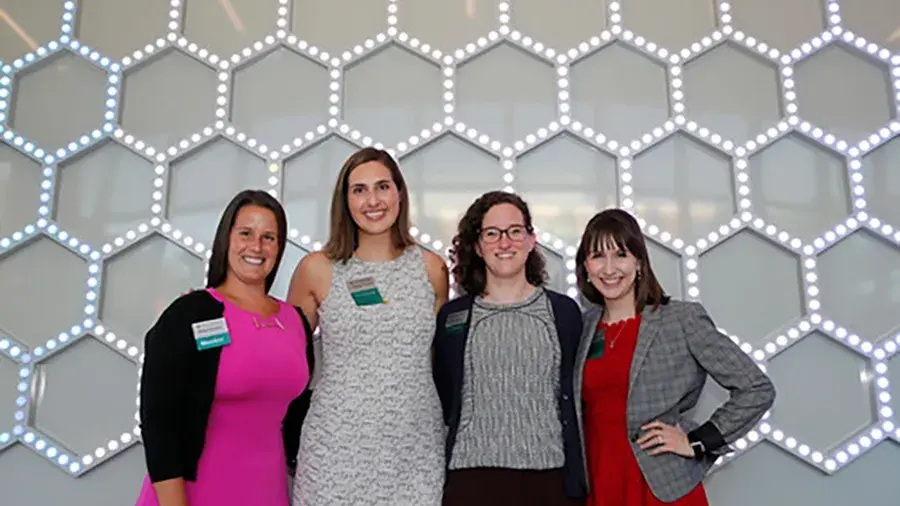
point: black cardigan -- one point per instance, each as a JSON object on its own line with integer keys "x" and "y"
{"x": 177, "y": 388}
{"x": 449, "y": 367}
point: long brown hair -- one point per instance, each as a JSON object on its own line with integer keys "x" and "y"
{"x": 469, "y": 269}
{"x": 619, "y": 227}
{"x": 343, "y": 236}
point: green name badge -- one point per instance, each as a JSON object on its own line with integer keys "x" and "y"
{"x": 211, "y": 334}
{"x": 365, "y": 293}
{"x": 456, "y": 321}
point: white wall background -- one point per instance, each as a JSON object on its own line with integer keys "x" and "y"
{"x": 757, "y": 139}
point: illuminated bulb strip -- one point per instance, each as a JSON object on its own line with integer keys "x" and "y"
{"x": 54, "y": 232}
{"x": 823, "y": 138}
{"x": 856, "y": 182}
{"x": 881, "y": 383}
{"x": 448, "y": 91}
{"x": 336, "y": 83}
{"x": 418, "y": 141}
{"x": 595, "y": 139}
{"x": 176, "y": 15}
{"x": 276, "y": 181}
{"x": 518, "y": 39}
{"x": 571, "y": 277}
{"x": 895, "y": 79}
{"x": 625, "y": 177}
{"x": 17, "y": 239}
{"x": 26, "y": 147}
{"x": 614, "y": 16}
{"x": 293, "y": 43}
{"x": 126, "y": 240}
{"x": 846, "y": 337}
{"x": 5, "y": 97}
{"x": 742, "y": 190}
{"x": 303, "y": 143}
{"x": 691, "y": 267}
{"x": 137, "y": 146}
{"x": 67, "y": 24}
{"x": 426, "y": 239}
{"x": 784, "y": 340}
{"x": 283, "y": 20}
{"x": 509, "y": 166}
{"x": 759, "y": 47}
{"x": 587, "y": 48}
{"x": 788, "y": 92}
{"x": 532, "y": 140}
{"x": 188, "y": 144}
{"x": 775, "y": 235}
{"x": 200, "y": 54}
{"x": 889, "y": 232}
{"x": 807, "y": 48}
{"x": 504, "y": 11}
{"x": 480, "y": 140}
{"x": 41, "y": 53}
{"x": 705, "y": 136}
{"x": 720, "y": 234}
{"x": 187, "y": 242}
{"x": 115, "y": 343}
{"x": 360, "y": 51}
{"x": 834, "y": 234}
{"x": 145, "y": 54}
{"x": 833, "y": 12}
{"x": 724, "y": 12}
{"x": 767, "y": 137}
{"x": 650, "y": 48}
{"x": 877, "y": 138}
{"x": 304, "y": 242}
{"x": 661, "y": 236}
{"x": 431, "y": 54}
{"x": 676, "y": 85}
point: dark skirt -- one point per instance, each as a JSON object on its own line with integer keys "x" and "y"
{"x": 507, "y": 487}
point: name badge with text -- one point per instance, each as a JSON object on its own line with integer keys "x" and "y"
{"x": 365, "y": 293}
{"x": 456, "y": 321}
{"x": 211, "y": 334}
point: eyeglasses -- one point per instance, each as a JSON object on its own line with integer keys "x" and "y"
{"x": 516, "y": 233}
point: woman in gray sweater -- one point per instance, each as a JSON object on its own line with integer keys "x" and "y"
{"x": 504, "y": 361}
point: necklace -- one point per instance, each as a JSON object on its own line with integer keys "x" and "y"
{"x": 612, "y": 342}
{"x": 265, "y": 325}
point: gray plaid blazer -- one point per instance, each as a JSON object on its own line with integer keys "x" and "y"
{"x": 678, "y": 346}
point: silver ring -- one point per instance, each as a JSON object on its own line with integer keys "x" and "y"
{"x": 659, "y": 438}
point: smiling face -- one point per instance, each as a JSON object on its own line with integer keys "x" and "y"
{"x": 253, "y": 245}
{"x": 613, "y": 270}
{"x": 373, "y": 198}
{"x": 504, "y": 243}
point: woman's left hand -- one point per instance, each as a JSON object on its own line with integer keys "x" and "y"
{"x": 663, "y": 438}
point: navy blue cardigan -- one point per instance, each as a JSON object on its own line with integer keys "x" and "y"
{"x": 449, "y": 358}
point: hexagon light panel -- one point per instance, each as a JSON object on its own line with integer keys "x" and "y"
{"x": 106, "y": 164}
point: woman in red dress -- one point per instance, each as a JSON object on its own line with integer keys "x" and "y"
{"x": 644, "y": 360}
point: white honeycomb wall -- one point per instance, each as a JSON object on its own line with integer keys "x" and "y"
{"x": 614, "y": 155}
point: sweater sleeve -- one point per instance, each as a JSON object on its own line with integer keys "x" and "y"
{"x": 167, "y": 348}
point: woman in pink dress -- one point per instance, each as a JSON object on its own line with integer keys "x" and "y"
{"x": 224, "y": 386}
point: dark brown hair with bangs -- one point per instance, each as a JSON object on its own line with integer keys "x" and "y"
{"x": 619, "y": 227}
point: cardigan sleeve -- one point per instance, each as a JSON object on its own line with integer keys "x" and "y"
{"x": 167, "y": 348}
{"x": 292, "y": 424}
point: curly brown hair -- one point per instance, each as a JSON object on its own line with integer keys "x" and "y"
{"x": 469, "y": 270}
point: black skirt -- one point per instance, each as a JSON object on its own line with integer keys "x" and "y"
{"x": 507, "y": 487}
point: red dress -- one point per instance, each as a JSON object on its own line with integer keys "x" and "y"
{"x": 615, "y": 478}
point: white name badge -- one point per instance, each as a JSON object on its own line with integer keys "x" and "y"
{"x": 211, "y": 334}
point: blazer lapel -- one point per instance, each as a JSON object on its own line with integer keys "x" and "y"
{"x": 647, "y": 333}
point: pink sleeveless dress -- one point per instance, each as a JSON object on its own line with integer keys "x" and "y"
{"x": 260, "y": 373}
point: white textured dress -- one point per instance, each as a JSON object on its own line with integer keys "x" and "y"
{"x": 374, "y": 434}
